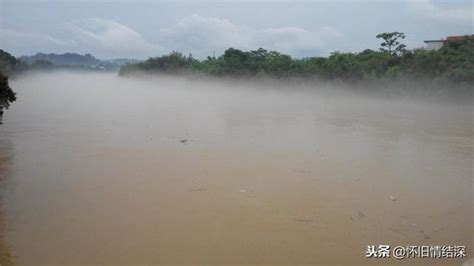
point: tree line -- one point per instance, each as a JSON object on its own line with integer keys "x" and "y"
{"x": 453, "y": 62}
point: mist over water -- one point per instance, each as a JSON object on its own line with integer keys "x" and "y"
{"x": 173, "y": 170}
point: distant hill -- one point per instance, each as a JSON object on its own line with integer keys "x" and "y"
{"x": 73, "y": 60}
{"x": 122, "y": 61}
{"x": 67, "y": 59}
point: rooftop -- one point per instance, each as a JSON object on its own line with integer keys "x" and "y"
{"x": 453, "y": 38}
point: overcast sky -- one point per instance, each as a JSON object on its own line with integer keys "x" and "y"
{"x": 141, "y": 29}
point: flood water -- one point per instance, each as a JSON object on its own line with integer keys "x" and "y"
{"x": 107, "y": 170}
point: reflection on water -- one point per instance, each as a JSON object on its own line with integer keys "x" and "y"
{"x": 266, "y": 176}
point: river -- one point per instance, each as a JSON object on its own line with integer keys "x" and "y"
{"x": 108, "y": 170}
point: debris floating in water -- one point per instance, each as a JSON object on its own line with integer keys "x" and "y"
{"x": 302, "y": 219}
{"x": 199, "y": 189}
{"x": 392, "y": 198}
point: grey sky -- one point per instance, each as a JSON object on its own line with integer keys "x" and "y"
{"x": 140, "y": 29}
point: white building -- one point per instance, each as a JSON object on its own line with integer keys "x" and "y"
{"x": 437, "y": 44}
{"x": 434, "y": 44}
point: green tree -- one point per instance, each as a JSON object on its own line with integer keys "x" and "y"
{"x": 173, "y": 63}
{"x": 7, "y": 95}
{"x": 235, "y": 62}
{"x": 391, "y": 42}
{"x": 343, "y": 66}
{"x": 11, "y": 66}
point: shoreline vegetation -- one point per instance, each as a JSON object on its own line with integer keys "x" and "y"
{"x": 453, "y": 63}
{"x": 447, "y": 73}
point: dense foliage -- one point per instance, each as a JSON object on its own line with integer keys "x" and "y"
{"x": 453, "y": 62}
{"x": 7, "y": 95}
{"x": 9, "y": 65}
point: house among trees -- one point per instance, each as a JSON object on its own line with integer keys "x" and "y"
{"x": 437, "y": 44}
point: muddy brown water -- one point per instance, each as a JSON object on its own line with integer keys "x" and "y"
{"x": 99, "y": 174}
